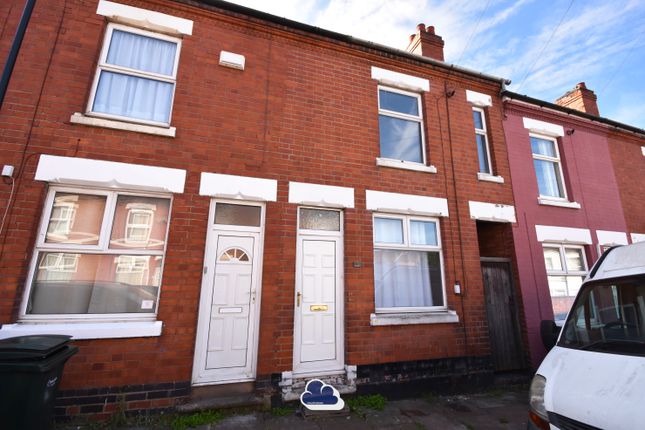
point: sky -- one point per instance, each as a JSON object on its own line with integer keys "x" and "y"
{"x": 544, "y": 46}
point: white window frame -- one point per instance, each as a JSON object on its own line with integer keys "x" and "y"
{"x": 103, "y": 65}
{"x": 563, "y": 262}
{"x": 557, "y": 160}
{"x": 398, "y": 115}
{"x": 101, "y": 248}
{"x": 407, "y": 246}
{"x": 483, "y": 132}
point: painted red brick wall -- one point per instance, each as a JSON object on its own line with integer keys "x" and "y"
{"x": 590, "y": 181}
{"x": 629, "y": 166}
{"x": 305, "y": 109}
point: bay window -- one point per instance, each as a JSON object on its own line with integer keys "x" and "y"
{"x": 98, "y": 253}
{"x": 408, "y": 273}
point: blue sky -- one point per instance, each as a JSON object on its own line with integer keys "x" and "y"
{"x": 544, "y": 47}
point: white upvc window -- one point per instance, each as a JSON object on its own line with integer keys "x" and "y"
{"x": 408, "y": 264}
{"x": 96, "y": 271}
{"x": 566, "y": 268}
{"x": 481, "y": 137}
{"x": 136, "y": 76}
{"x": 401, "y": 125}
{"x": 548, "y": 167}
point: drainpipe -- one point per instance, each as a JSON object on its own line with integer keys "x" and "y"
{"x": 15, "y": 47}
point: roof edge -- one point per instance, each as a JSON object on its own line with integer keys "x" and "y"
{"x": 236, "y": 8}
{"x": 570, "y": 111}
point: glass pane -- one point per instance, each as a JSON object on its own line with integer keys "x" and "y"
{"x": 423, "y": 233}
{"x": 482, "y": 154}
{"x": 548, "y": 177}
{"x": 478, "y": 120}
{"x": 558, "y": 285}
{"x": 399, "y": 102}
{"x": 75, "y": 218}
{"x": 407, "y": 279}
{"x": 400, "y": 139}
{"x": 133, "y": 97}
{"x": 67, "y": 283}
{"x": 388, "y": 230}
{"x": 573, "y": 285}
{"x": 543, "y": 147}
{"x": 317, "y": 219}
{"x": 140, "y": 223}
{"x": 231, "y": 214}
{"x": 142, "y": 53}
{"x": 552, "y": 259}
{"x": 575, "y": 262}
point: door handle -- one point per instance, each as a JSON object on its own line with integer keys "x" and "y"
{"x": 298, "y": 295}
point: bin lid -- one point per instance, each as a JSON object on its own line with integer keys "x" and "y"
{"x": 31, "y": 347}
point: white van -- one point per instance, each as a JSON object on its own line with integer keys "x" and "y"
{"x": 594, "y": 377}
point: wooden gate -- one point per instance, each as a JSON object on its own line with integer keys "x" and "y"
{"x": 501, "y": 308}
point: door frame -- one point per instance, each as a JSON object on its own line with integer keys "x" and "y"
{"x": 338, "y": 365}
{"x": 213, "y": 231}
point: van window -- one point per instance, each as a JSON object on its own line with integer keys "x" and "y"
{"x": 608, "y": 316}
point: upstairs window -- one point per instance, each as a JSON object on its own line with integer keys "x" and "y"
{"x": 548, "y": 168}
{"x": 136, "y": 76}
{"x": 401, "y": 125}
{"x": 481, "y": 136}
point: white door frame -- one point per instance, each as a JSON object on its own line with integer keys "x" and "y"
{"x": 327, "y": 367}
{"x": 204, "y": 315}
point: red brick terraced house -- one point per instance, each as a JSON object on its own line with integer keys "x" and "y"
{"x": 213, "y": 200}
{"x": 578, "y": 184}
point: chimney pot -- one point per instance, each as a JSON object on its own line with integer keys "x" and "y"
{"x": 580, "y": 98}
{"x": 426, "y": 43}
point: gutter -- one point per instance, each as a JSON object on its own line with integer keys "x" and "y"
{"x": 509, "y": 95}
{"x": 235, "y": 8}
{"x": 15, "y": 48}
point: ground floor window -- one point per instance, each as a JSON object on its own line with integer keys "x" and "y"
{"x": 98, "y": 252}
{"x": 566, "y": 268}
{"x": 408, "y": 264}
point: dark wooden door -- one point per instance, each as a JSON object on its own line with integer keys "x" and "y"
{"x": 503, "y": 321}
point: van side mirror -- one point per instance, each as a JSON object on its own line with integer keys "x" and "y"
{"x": 549, "y": 333}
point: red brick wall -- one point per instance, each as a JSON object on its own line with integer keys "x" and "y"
{"x": 305, "y": 109}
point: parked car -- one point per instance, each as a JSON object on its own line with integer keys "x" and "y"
{"x": 594, "y": 377}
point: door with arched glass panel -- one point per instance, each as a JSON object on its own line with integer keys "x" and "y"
{"x": 227, "y": 328}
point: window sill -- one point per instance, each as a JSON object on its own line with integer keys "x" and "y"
{"x": 79, "y": 118}
{"x": 405, "y": 165}
{"x": 559, "y": 203}
{"x": 402, "y": 318}
{"x": 85, "y": 330}
{"x": 490, "y": 178}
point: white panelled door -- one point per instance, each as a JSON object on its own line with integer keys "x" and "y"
{"x": 225, "y": 349}
{"x": 318, "y": 301}
{"x": 318, "y": 322}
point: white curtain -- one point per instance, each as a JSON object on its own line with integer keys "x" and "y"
{"x": 133, "y": 96}
{"x": 388, "y": 230}
{"x": 547, "y": 177}
{"x": 401, "y": 279}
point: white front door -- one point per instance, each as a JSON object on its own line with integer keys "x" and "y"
{"x": 318, "y": 329}
{"x": 225, "y": 349}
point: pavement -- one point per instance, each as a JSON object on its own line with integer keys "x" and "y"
{"x": 504, "y": 408}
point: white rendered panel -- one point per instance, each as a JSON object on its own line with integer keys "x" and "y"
{"x": 492, "y": 212}
{"x": 478, "y": 99}
{"x": 109, "y": 174}
{"x": 238, "y": 187}
{"x": 401, "y": 80}
{"x": 321, "y": 195}
{"x": 145, "y": 18}
{"x": 406, "y": 203}
{"x": 611, "y": 237}
{"x": 547, "y": 233}
{"x": 542, "y": 127}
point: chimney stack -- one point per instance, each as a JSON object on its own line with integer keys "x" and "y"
{"x": 580, "y": 98}
{"x": 426, "y": 43}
